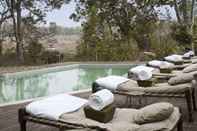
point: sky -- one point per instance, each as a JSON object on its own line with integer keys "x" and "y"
{"x": 61, "y": 16}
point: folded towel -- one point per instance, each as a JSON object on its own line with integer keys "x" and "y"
{"x": 188, "y": 54}
{"x": 100, "y": 99}
{"x": 137, "y": 69}
{"x": 142, "y": 72}
{"x": 160, "y": 64}
{"x": 144, "y": 75}
{"x": 111, "y": 82}
{"x": 53, "y": 107}
{"x": 174, "y": 58}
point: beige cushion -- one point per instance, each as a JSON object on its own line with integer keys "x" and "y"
{"x": 190, "y": 68}
{"x": 182, "y": 78}
{"x": 153, "y": 113}
{"x": 131, "y": 86}
{"x": 194, "y": 61}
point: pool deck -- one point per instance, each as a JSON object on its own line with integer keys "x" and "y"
{"x": 9, "y": 115}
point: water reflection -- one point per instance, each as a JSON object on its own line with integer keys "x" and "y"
{"x": 13, "y": 89}
{"x": 32, "y": 86}
{"x": 87, "y": 76}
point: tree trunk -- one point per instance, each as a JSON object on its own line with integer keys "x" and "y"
{"x": 17, "y": 29}
{"x": 185, "y": 12}
{"x": 19, "y": 47}
{"x": 177, "y": 12}
{"x": 1, "y": 48}
{"x": 192, "y": 23}
{"x": 192, "y": 10}
{"x": 1, "y": 40}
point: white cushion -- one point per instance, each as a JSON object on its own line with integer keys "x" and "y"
{"x": 54, "y": 106}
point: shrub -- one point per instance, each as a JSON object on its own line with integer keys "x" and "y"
{"x": 34, "y": 52}
{"x": 181, "y": 35}
{"x": 163, "y": 45}
{"x": 52, "y": 56}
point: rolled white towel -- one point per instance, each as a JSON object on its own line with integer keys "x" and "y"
{"x": 137, "y": 69}
{"x": 188, "y": 54}
{"x": 101, "y": 99}
{"x": 166, "y": 64}
{"x": 142, "y": 72}
{"x": 161, "y": 64}
{"x": 144, "y": 75}
{"x": 155, "y": 63}
{"x": 174, "y": 58}
{"x": 111, "y": 82}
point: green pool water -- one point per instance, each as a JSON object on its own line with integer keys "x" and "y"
{"x": 21, "y": 87}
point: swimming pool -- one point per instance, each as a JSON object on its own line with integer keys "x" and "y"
{"x": 50, "y": 81}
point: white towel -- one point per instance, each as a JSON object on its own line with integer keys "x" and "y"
{"x": 137, "y": 69}
{"x": 161, "y": 64}
{"x": 111, "y": 82}
{"x": 101, "y": 99}
{"x": 144, "y": 75}
{"x": 53, "y": 107}
{"x": 142, "y": 72}
{"x": 188, "y": 54}
{"x": 174, "y": 58}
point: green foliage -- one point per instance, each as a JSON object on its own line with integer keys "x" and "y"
{"x": 34, "y": 52}
{"x": 49, "y": 56}
{"x": 163, "y": 45}
{"x": 181, "y": 34}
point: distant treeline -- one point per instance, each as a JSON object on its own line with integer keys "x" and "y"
{"x": 69, "y": 30}
{"x": 59, "y": 30}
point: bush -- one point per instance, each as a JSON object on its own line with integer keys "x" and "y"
{"x": 34, "y": 52}
{"x": 108, "y": 50}
{"x": 163, "y": 45}
{"x": 181, "y": 35}
{"x": 52, "y": 56}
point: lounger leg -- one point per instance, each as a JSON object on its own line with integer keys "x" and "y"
{"x": 22, "y": 121}
{"x": 194, "y": 98}
{"x": 61, "y": 129}
{"x": 189, "y": 104}
{"x": 180, "y": 124}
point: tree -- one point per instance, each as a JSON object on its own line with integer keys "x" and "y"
{"x": 4, "y": 15}
{"x": 121, "y": 16}
{"x": 185, "y": 16}
{"x": 24, "y": 12}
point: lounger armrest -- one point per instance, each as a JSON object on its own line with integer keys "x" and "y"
{"x": 164, "y": 74}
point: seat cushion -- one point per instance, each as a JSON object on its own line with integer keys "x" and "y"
{"x": 153, "y": 113}
{"x": 190, "y": 68}
{"x": 194, "y": 61}
{"x": 157, "y": 88}
{"x": 182, "y": 78}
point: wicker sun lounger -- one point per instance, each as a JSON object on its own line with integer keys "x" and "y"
{"x": 77, "y": 125}
{"x": 186, "y": 91}
{"x": 166, "y": 76}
